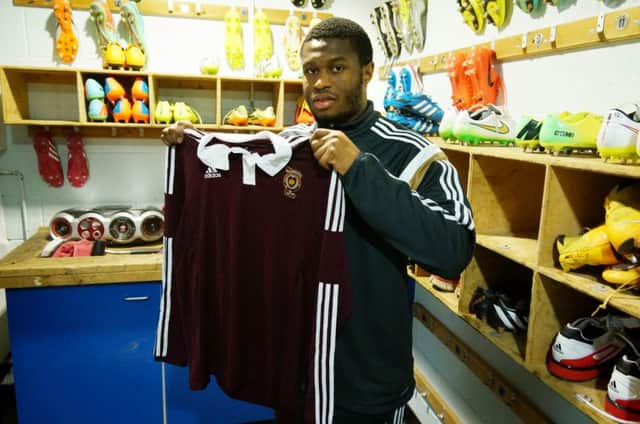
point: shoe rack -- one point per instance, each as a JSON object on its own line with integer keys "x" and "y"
{"x": 54, "y": 99}
{"x": 521, "y": 202}
{"x": 606, "y": 28}
{"x": 188, "y": 9}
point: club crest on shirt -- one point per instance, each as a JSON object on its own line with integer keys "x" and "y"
{"x": 292, "y": 182}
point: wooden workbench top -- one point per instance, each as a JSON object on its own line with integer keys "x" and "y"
{"x": 23, "y": 267}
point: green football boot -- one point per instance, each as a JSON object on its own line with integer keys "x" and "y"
{"x": 568, "y": 133}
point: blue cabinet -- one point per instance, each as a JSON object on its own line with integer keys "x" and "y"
{"x": 211, "y": 405}
{"x": 84, "y": 354}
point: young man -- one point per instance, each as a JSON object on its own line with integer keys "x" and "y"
{"x": 404, "y": 200}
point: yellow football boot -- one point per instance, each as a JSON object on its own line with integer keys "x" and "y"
{"x": 578, "y": 131}
{"x": 113, "y": 56}
{"x": 622, "y": 274}
{"x": 497, "y": 12}
{"x": 184, "y": 112}
{"x": 134, "y": 57}
{"x": 292, "y": 40}
{"x": 233, "y": 41}
{"x": 472, "y": 14}
{"x": 262, "y": 38}
{"x": 163, "y": 113}
{"x": 622, "y": 220}
{"x": 591, "y": 248}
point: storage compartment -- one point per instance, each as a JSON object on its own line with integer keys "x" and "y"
{"x": 574, "y": 200}
{"x": 253, "y": 94}
{"x": 506, "y": 196}
{"x": 198, "y": 92}
{"x": 508, "y": 282}
{"x": 44, "y": 97}
{"x": 121, "y": 81}
{"x": 554, "y": 305}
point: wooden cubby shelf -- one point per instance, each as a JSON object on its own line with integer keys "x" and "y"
{"x": 521, "y": 202}
{"x": 54, "y": 99}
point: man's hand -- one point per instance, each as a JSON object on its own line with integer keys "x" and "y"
{"x": 333, "y": 149}
{"x": 173, "y": 134}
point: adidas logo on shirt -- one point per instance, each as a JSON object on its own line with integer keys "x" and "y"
{"x": 211, "y": 173}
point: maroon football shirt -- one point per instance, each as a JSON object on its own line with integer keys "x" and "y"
{"x": 254, "y": 272}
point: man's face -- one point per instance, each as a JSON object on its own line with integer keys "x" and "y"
{"x": 334, "y": 82}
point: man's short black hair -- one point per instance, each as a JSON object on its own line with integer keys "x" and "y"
{"x": 344, "y": 29}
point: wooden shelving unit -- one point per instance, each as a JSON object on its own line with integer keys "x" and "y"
{"x": 522, "y": 201}
{"x": 55, "y": 99}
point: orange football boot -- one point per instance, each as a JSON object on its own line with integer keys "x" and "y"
{"x": 263, "y": 117}
{"x": 237, "y": 116}
{"x": 484, "y": 77}
{"x": 66, "y": 41}
{"x": 461, "y": 86}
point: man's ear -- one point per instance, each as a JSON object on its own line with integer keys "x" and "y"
{"x": 367, "y": 72}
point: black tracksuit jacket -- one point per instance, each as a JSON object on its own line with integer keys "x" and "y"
{"x": 404, "y": 200}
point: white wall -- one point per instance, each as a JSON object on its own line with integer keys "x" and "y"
{"x": 594, "y": 80}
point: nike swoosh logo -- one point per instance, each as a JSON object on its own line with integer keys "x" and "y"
{"x": 502, "y": 129}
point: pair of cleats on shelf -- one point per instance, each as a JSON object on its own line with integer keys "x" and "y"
{"x": 474, "y": 78}
{"x": 167, "y": 112}
{"x": 589, "y": 347}
{"x": 614, "y": 244}
{"x": 118, "y": 53}
{"x": 49, "y": 165}
{"x": 405, "y": 103}
{"x": 239, "y": 116}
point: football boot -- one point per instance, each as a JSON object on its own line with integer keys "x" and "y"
{"x": 66, "y": 39}
{"x": 587, "y": 347}
{"x": 618, "y": 135}
{"x": 528, "y": 133}
{"x": 163, "y": 113}
{"x": 622, "y": 274}
{"x": 591, "y": 248}
{"x": 233, "y": 41}
{"x": 237, "y": 116}
{"x": 622, "y": 220}
{"x": 485, "y": 124}
{"x": 623, "y": 390}
{"x": 575, "y": 132}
